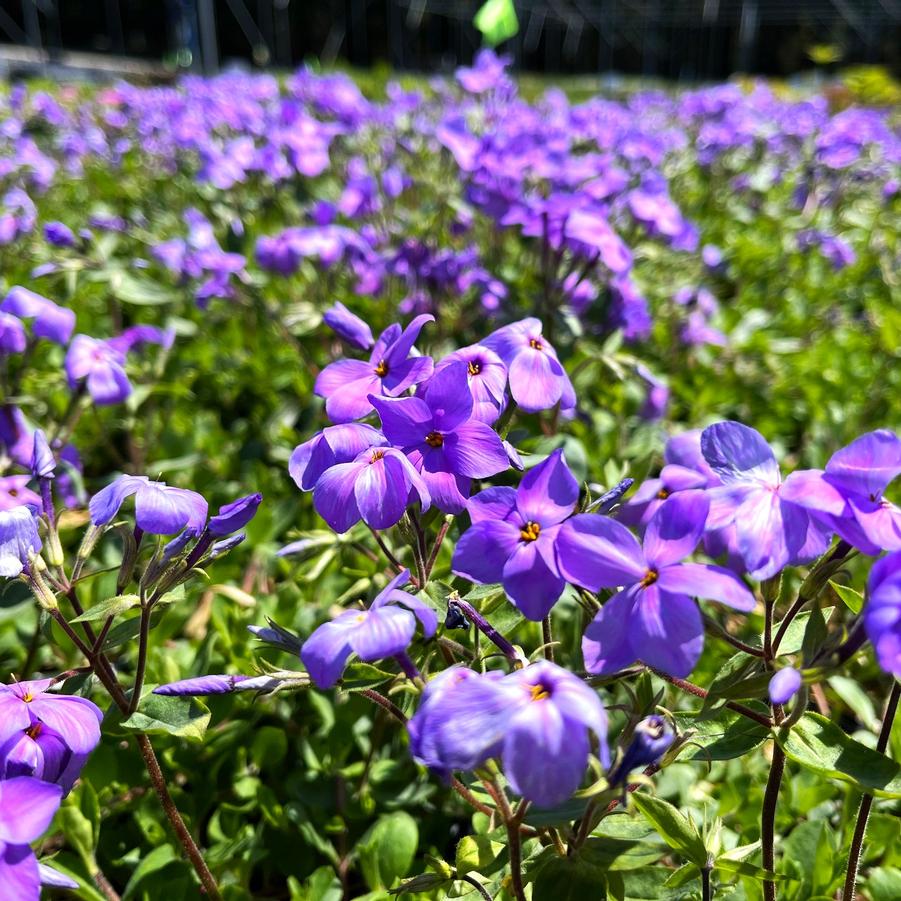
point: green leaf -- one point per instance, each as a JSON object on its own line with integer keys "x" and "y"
{"x": 141, "y": 291}
{"x": 161, "y": 715}
{"x": 815, "y": 634}
{"x": 723, "y": 737}
{"x": 387, "y": 849}
{"x": 478, "y": 853}
{"x": 794, "y": 634}
{"x": 674, "y": 827}
{"x": 425, "y": 882}
{"x": 155, "y": 861}
{"x": 622, "y": 843}
{"x": 364, "y": 675}
{"x": 816, "y": 743}
{"x": 857, "y": 699}
{"x": 497, "y": 21}
{"x": 744, "y": 868}
{"x": 853, "y": 599}
{"x": 110, "y": 607}
{"x": 883, "y": 884}
{"x": 809, "y": 855}
{"x": 568, "y": 878}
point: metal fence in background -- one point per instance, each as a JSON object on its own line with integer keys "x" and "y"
{"x": 683, "y": 39}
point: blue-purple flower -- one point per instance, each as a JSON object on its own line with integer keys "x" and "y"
{"x": 349, "y": 326}
{"x": 384, "y": 630}
{"x": 18, "y": 538}
{"x": 235, "y": 515}
{"x": 14, "y": 492}
{"x": 486, "y": 377}
{"x": 50, "y": 321}
{"x": 652, "y": 738}
{"x": 653, "y": 617}
{"x": 882, "y": 612}
{"x": 334, "y": 444}
{"x": 347, "y": 384}
{"x": 772, "y": 530}
{"x": 12, "y": 334}
{"x": 538, "y": 380}
{"x": 538, "y": 720}
{"x": 442, "y": 439}
{"x": 784, "y": 685}
{"x": 512, "y": 539}
{"x": 160, "y": 509}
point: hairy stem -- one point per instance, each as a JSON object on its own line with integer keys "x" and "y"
{"x": 547, "y": 637}
{"x": 768, "y": 811}
{"x": 866, "y": 802}
{"x": 143, "y": 643}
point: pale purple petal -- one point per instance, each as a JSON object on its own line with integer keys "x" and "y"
{"x": 867, "y": 464}
{"x": 26, "y": 808}
{"x": 532, "y": 585}
{"x": 784, "y": 685}
{"x": 398, "y": 352}
{"x": 597, "y": 552}
{"x": 483, "y": 549}
{"x": 810, "y": 488}
{"x": 448, "y": 396}
{"x": 703, "y": 580}
{"x": 387, "y": 631}
{"x": 606, "y": 647}
{"x": 492, "y": 504}
{"x": 667, "y": 632}
{"x": 334, "y": 496}
{"x": 675, "y": 529}
{"x": 325, "y": 652}
{"x": 737, "y": 453}
{"x": 76, "y": 719}
{"x": 535, "y": 380}
{"x": 405, "y": 375}
{"x": 475, "y": 450}
{"x": 381, "y": 492}
{"x": 406, "y": 421}
{"x": 19, "y": 873}
{"x": 105, "y": 504}
{"x": 548, "y": 493}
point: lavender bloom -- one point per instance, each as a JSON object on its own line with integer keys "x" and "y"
{"x": 537, "y": 379}
{"x": 44, "y": 734}
{"x": 15, "y": 493}
{"x": 59, "y": 235}
{"x": 514, "y": 533}
{"x": 235, "y": 516}
{"x": 486, "y": 379}
{"x": 160, "y": 509}
{"x": 385, "y": 629}
{"x": 334, "y": 444}
{"x": 43, "y": 463}
{"x": 374, "y": 487}
{"x": 784, "y": 685}
{"x": 27, "y": 806}
{"x": 848, "y": 495}
{"x": 350, "y": 327}
{"x": 277, "y": 636}
{"x": 652, "y": 739}
{"x": 537, "y": 720}
{"x": 882, "y": 612}
{"x": 772, "y": 531}
{"x": 12, "y": 334}
{"x": 347, "y": 384}
{"x": 53, "y": 878}
{"x": 216, "y": 685}
{"x": 652, "y": 617}
{"x": 18, "y": 537}
{"x": 49, "y": 321}
{"x": 442, "y": 440}
{"x": 657, "y": 398}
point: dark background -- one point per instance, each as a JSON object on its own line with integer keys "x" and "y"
{"x": 680, "y": 39}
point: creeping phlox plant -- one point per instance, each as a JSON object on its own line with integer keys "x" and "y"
{"x": 507, "y": 652}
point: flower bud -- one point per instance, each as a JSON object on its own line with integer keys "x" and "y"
{"x": 784, "y": 685}
{"x": 43, "y": 463}
{"x": 651, "y": 740}
{"x": 278, "y": 637}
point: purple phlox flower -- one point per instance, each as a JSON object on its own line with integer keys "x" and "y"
{"x": 772, "y": 530}
{"x": 45, "y": 734}
{"x": 882, "y": 612}
{"x": 538, "y": 381}
{"x": 439, "y": 435}
{"x": 512, "y": 539}
{"x": 385, "y": 629}
{"x": 18, "y": 537}
{"x": 592, "y": 235}
{"x": 848, "y": 496}
{"x": 234, "y": 516}
{"x": 53, "y": 878}
{"x": 138, "y": 335}
{"x": 652, "y": 738}
{"x": 27, "y": 807}
{"x": 102, "y": 365}
{"x": 217, "y": 685}
{"x": 642, "y": 506}
{"x": 376, "y": 486}
{"x": 14, "y": 492}
{"x": 160, "y": 509}
{"x": 50, "y": 321}
{"x": 59, "y": 234}
{"x": 656, "y": 399}
{"x": 12, "y": 334}
{"x": 712, "y": 256}
{"x": 697, "y": 331}
{"x": 277, "y": 636}
{"x": 487, "y": 72}
{"x": 486, "y": 379}
{"x": 784, "y": 685}
{"x": 347, "y": 384}
{"x": 653, "y": 616}
{"x": 348, "y": 326}
{"x": 538, "y": 720}
{"x": 43, "y": 463}
{"x": 334, "y": 444}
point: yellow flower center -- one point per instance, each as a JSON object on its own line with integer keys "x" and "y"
{"x": 663, "y": 494}
{"x": 474, "y": 367}
{"x": 530, "y": 531}
{"x": 650, "y": 577}
{"x": 382, "y": 369}
{"x": 376, "y": 456}
{"x": 539, "y": 692}
{"x": 34, "y": 731}
{"x": 535, "y": 344}
{"x": 434, "y": 439}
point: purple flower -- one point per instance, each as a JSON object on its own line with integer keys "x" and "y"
{"x": 652, "y": 617}
{"x": 59, "y": 234}
{"x": 46, "y": 735}
{"x": 350, "y": 327}
{"x": 347, "y": 384}
{"x": 784, "y": 685}
{"x": 18, "y": 537}
{"x": 12, "y": 334}
{"x": 374, "y": 487}
{"x": 772, "y": 531}
{"x": 652, "y": 739}
{"x": 537, "y": 720}
{"x": 486, "y": 378}
{"x": 334, "y": 444}
{"x": 14, "y": 492}
{"x": 27, "y": 806}
{"x": 235, "y": 516}
{"x": 513, "y": 536}
{"x": 537, "y": 379}
{"x": 882, "y": 612}
{"x": 50, "y": 321}
{"x": 439, "y": 435}
{"x": 43, "y": 463}
{"x": 160, "y": 509}
{"x": 102, "y": 366}
{"x": 385, "y": 629}
{"x": 848, "y": 495}
{"x": 216, "y": 685}
{"x": 657, "y": 397}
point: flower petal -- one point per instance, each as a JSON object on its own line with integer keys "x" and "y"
{"x": 475, "y": 450}
{"x": 703, "y": 580}
{"x": 26, "y": 808}
{"x": 492, "y": 504}
{"x": 867, "y": 464}
{"x": 530, "y": 583}
{"x": 737, "y": 453}
{"x": 676, "y": 528}
{"x": 385, "y": 632}
{"x": 535, "y": 381}
{"x": 483, "y": 549}
{"x": 448, "y": 396}
{"x": 334, "y": 496}
{"x": 548, "y": 493}
{"x": 597, "y": 552}
{"x": 325, "y": 652}
{"x": 667, "y": 631}
{"x": 406, "y": 421}
{"x": 606, "y": 647}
